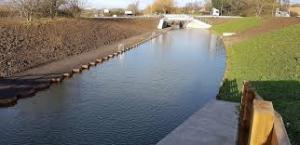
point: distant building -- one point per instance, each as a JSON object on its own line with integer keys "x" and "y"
{"x": 106, "y": 11}
{"x": 215, "y": 12}
{"x": 279, "y": 13}
{"x": 129, "y": 13}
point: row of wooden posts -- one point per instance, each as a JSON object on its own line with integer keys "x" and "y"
{"x": 121, "y": 49}
{"x": 259, "y": 123}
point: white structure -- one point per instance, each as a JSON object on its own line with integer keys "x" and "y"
{"x": 282, "y": 13}
{"x": 197, "y": 24}
{"x": 106, "y": 11}
{"x": 215, "y": 12}
{"x": 161, "y": 24}
{"x": 129, "y": 13}
{"x": 183, "y": 20}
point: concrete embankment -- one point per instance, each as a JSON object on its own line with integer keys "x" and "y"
{"x": 214, "y": 124}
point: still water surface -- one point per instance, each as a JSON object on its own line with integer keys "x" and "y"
{"x": 134, "y": 99}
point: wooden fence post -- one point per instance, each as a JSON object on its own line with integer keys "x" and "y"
{"x": 262, "y": 123}
{"x": 245, "y": 113}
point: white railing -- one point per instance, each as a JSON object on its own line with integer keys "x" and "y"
{"x": 178, "y": 17}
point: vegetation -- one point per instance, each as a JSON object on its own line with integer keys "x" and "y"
{"x": 134, "y": 7}
{"x": 271, "y": 62}
{"x": 46, "y": 8}
{"x": 249, "y": 7}
{"x": 161, "y": 6}
{"x": 238, "y": 25}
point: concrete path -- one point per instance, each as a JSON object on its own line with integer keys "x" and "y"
{"x": 215, "y": 124}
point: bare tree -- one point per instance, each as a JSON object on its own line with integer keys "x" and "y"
{"x": 164, "y": 6}
{"x": 53, "y": 6}
{"x": 26, "y": 8}
{"x": 191, "y": 7}
{"x": 134, "y": 7}
{"x": 74, "y": 7}
{"x": 261, "y": 5}
{"x": 48, "y": 8}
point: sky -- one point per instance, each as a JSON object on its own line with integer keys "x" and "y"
{"x": 124, "y": 3}
{"x": 143, "y": 3}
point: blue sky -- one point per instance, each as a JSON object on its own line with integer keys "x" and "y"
{"x": 143, "y": 3}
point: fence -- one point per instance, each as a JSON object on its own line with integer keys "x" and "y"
{"x": 259, "y": 123}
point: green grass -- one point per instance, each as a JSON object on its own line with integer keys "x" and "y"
{"x": 237, "y": 25}
{"x": 271, "y": 62}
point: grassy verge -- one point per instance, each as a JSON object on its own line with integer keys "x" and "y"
{"x": 237, "y": 25}
{"x": 271, "y": 62}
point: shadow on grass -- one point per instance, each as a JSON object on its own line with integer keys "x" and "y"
{"x": 284, "y": 94}
{"x": 229, "y": 91}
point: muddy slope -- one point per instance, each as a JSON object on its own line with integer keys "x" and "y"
{"x": 24, "y": 46}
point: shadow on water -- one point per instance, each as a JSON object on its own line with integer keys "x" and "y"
{"x": 15, "y": 88}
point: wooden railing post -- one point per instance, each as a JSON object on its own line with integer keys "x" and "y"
{"x": 279, "y": 134}
{"x": 262, "y": 123}
{"x": 259, "y": 123}
{"x": 245, "y": 113}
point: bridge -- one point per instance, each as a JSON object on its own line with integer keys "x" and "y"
{"x": 184, "y": 21}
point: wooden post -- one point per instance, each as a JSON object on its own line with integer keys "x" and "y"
{"x": 245, "y": 113}
{"x": 279, "y": 135}
{"x": 262, "y": 123}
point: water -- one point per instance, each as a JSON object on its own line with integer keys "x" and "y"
{"x": 135, "y": 99}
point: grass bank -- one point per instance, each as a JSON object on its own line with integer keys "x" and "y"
{"x": 271, "y": 62}
{"x": 238, "y": 25}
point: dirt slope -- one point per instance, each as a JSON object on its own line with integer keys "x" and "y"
{"x": 24, "y": 46}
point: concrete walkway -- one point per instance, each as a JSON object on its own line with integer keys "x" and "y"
{"x": 214, "y": 124}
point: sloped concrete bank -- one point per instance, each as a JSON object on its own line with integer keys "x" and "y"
{"x": 27, "y": 83}
{"x": 214, "y": 124}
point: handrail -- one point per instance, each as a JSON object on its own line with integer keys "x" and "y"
{"x": 259, "y": 123}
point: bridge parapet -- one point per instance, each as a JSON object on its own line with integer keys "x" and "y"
{"x": 185, "y": 21}
{"x": 178, "y": 17}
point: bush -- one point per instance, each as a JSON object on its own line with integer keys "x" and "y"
{"x": 294, "y": 14}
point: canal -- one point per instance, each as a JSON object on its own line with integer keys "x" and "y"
{"x": 136, "y": 98}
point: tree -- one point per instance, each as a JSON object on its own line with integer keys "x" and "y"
{"x": 53, "y": 6}
{"x": 223, "y": 5}
{"x": 191, "y": 7}
{"x": 262, "y": 5}
{"x": 164, "y": 6}
{"x": 26, "y": 8}
{"x": 74, "y": 7}
{"x": 134, "y": 7}
{"x": 48, "y": 8}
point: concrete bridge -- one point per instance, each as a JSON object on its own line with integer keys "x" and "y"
{"x": 184, "y": 21}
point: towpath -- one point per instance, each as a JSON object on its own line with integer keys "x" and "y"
{"x": 214, "y": 124}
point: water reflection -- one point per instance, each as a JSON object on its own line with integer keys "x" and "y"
{"x": 136, "y": 98}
